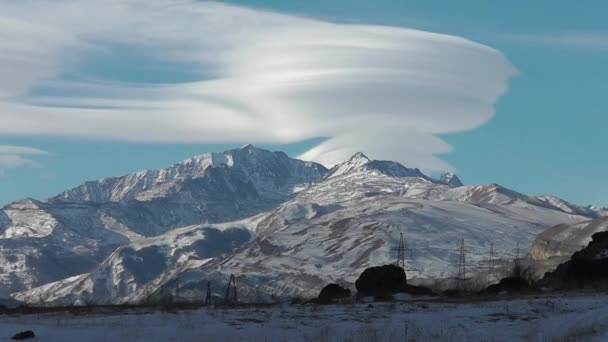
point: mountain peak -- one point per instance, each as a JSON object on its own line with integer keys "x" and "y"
{"x": 247, "y": 147}
{"x": 358, "y": 159}
{"x": 360, "y": 162}
{"x": 356, "y": 162}
{"x": 359, "y": 156}
{"x": 450, "y": 179}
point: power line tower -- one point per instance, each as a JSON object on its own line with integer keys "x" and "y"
{"x": 208, "y": 296}
{"x": 517, "y": 260}
{"x": 489, "y": 265}
{"x": 401, "y": 250}
{"x": 518, "y": 269}
{"x": 231, "y": 297}
{"x": 462, "y": 267}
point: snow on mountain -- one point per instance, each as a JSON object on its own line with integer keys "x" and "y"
{"x": 341, "y": 225}
{"x": 5, "y": 222}
{"x": 273, "y": 174}
{"x": 43, "y": 243}
{"x": 330, "y": 231}
{"x": 601, "y": 211}
{"x": 359, "y": 162}
{"x": 69, "y": 234}
{"x": 25, "y": 218}
{"x": 361, "y": 177}
{"x": 450, "y": 179}
{"x": 298, "y": 259}
{"x": 567, "y": 207}
{"x": 132, "y": 269}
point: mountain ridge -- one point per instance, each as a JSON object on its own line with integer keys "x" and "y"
{"x": 96, "y": 218}
{"x": 136, "y": 186}
{"x": 293, "y": 225}
{"x": 326, "y": 230}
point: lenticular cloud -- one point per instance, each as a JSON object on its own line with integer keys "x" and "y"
{"x": 261, "y": 77}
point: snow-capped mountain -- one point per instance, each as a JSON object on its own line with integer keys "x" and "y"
{"x": 348, "y": 219}
{"x": 359, "y": 162}
{"x": 43, "y": 241}
{"x": 450, "y": 179}
{"x": 273, "y": 175}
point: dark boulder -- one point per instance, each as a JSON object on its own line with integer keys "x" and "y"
{"x": 509, "y": 284}
{"x": 381, "y": 281}
{"x": 586, "y": 269}
{"x": 24, "y": 335}
{"x": 333, "y": 292}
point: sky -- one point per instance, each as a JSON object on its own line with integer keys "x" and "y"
{"x": 510, "y": 93}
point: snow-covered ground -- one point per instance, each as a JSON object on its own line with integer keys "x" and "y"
{"x": 543, "y": 318}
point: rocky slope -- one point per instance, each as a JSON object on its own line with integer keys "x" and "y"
{"x": 143, "y": 265}
{"x": 349, "y": 219}
{"x": 555, "y": 245}
{"x": 586, "y": 269}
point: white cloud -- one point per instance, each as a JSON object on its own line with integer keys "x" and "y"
{"x": 12, "y": 157}
{"x": 12, "y": 149}
{"x": 583, "y": 40}
{"x": 274, "y": 78}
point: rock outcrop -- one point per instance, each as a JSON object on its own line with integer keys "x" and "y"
{"x": 586, "y": 269}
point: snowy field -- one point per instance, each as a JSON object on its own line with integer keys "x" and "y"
{"x": 546, "y": 318}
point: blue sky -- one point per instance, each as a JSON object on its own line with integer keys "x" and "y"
{"x": 546, "y": 137}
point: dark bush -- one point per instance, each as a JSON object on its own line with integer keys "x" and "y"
{"x": 417, "y": 290}
{"x": 24, "y": 335}
{"x": 510, "y": 284}
{"x": 381, "y": 281}
{"x": 333, "y": 292}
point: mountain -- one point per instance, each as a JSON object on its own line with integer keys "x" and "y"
{"x": 272, "y": 175}
{"x": 71, "y": 233}
{"x": 450, "y": 179}
{"x": 359, "y": 162}
{"x": 350, "y": 218}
